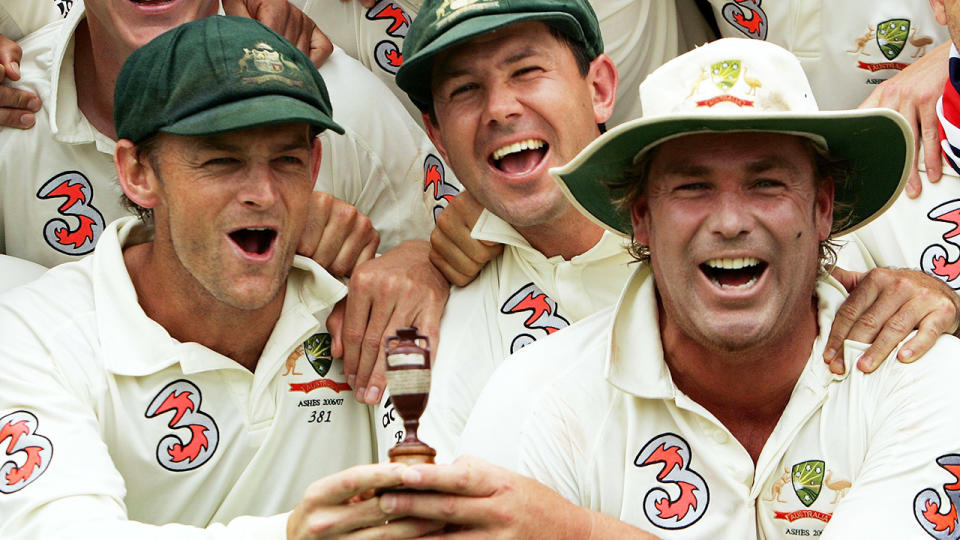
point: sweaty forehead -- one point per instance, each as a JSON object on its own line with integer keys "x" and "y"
{"x": 705, "y": 154}
{"x": 494, "y": 49}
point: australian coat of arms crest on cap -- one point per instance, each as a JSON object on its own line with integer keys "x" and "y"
{"x": 271, "y": 64}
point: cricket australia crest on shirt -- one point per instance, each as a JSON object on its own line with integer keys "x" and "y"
{"x": 541, "y": 311}
{"x": 176, "y": 452}
{"x": 807, "y": 478}
{"x": 936, "y": 516}
{"x": 889, "y": 38}
{"x": 688, "y": 496}
{"x": 746, "y": 16}
{"x": 943, "y": 261}
{"x": 387, "y": 52}
{"x": 80, "y": 234}
{"x": 317, "y": 350}
{"x": 26, "y": 453}
{"x": 434, "y": 182}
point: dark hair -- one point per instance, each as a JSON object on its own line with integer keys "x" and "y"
{"x": 632, "y": 186}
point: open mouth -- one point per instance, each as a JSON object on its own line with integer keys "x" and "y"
{"x": 519, "y": 157}
{"x": 737, "y": 273}
{"x": 151, "y": 2}
{"x": 254, "y": 240}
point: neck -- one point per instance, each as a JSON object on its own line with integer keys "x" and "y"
{"x": 747, "y": 390}
{"x": 96, "y": 66}
{"x": 172, "y": 298}
{"x": 568, "y": 236}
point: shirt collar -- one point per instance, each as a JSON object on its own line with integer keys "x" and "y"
{"x": 634, "y": 359}
{"x": 135, "y": 345}
{"x": 67, "y": 123}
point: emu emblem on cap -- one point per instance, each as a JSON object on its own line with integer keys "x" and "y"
{"x": 272, "y": 63}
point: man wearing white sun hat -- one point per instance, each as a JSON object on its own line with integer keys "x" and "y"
{"x": 713, "y": 414}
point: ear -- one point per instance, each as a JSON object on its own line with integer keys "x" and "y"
{"x": 603, "y": 79}
{"x": 433, "y": 131}
{"x": 939, "y": 11}
{"x": 640, "y": 220}
{"x": 823, "y": 209}
{"x": 316, "y": 153}
{"x": 137, "y": 178}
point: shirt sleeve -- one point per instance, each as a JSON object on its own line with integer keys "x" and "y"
{"x": 908, "y": 482}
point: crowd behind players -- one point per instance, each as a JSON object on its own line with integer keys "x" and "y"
{"x": 392, "y": 219}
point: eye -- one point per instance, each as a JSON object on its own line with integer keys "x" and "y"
{"x": 768, "y": 183}
{"x": 691, "y": 187}
{"x": 462, "y": 90}
{"x": 221, "y": 162}
{"x": 289, "y": 160}
{"x": 527, "y": 70}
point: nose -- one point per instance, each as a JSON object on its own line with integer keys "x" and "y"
{"x": 731, "y": 217}
{"x": 258, "y": 189}
{"x": 502, "y": 103}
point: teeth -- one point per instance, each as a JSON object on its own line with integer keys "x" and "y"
{"x": 257, "y": 229}
{"x": 519, "y": 146}
{"x": 733, "y": 264}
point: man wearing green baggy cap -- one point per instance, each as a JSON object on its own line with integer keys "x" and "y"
{"x": 699, "y": 406}
{"x": 159, "y": 388}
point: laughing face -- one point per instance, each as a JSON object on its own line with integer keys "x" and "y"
{"x": 509, "y": 105}
{"x": 131, "y": 24}
{"x": 733, "y": 222}
{"x": 229, "y": 209}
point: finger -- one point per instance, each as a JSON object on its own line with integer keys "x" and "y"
{"x": 914, "y": 186}
{"x": 15, "y": 98}
{"x": 359, "y": 235}
{"x": 384, "y": 319}
{"x": 931, "y": 146}
{"x": 895, "y": 330}
{"x": 237, "y": 8}
{"x": 320, "y": 47}
{"x": 846, "y": 317}
{"x": 354, "y": 326}
{"x": 341, "y": 486}
{"x": 17, "y": 118}
{"x": 10, "y": 55}
{"x": 304, "y": 32}
{"x": 335, "y": 327}
{"x": 927, "y": 334}
{"x": 368, "y": 3}
{"x": 399, "y": 528}
{"x": 445, "y": 253}
{"x": 449, "y": 273}
{"x": 318, "y": 215}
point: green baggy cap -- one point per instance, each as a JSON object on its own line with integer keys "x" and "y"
{"x": 443, "y": 23}
{"x": 215, "y": 75}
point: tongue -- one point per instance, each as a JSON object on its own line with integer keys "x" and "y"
{"x": 251, "y": 241}
{"x": 519, "y": 162}
{"x": 734, "y": 278}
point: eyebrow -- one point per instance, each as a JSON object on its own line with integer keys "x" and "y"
{"x": 453, "y": 72}
{"x": 216, "y": 143}
{"x": 691, "y": 169}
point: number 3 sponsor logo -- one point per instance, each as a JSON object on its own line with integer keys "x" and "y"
{"x": 31, "y": 452}
{"x": 182, "y": 398}
{"x": 674, "y": 456}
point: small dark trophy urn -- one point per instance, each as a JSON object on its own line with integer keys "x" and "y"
{"x": 408, "y": 379}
